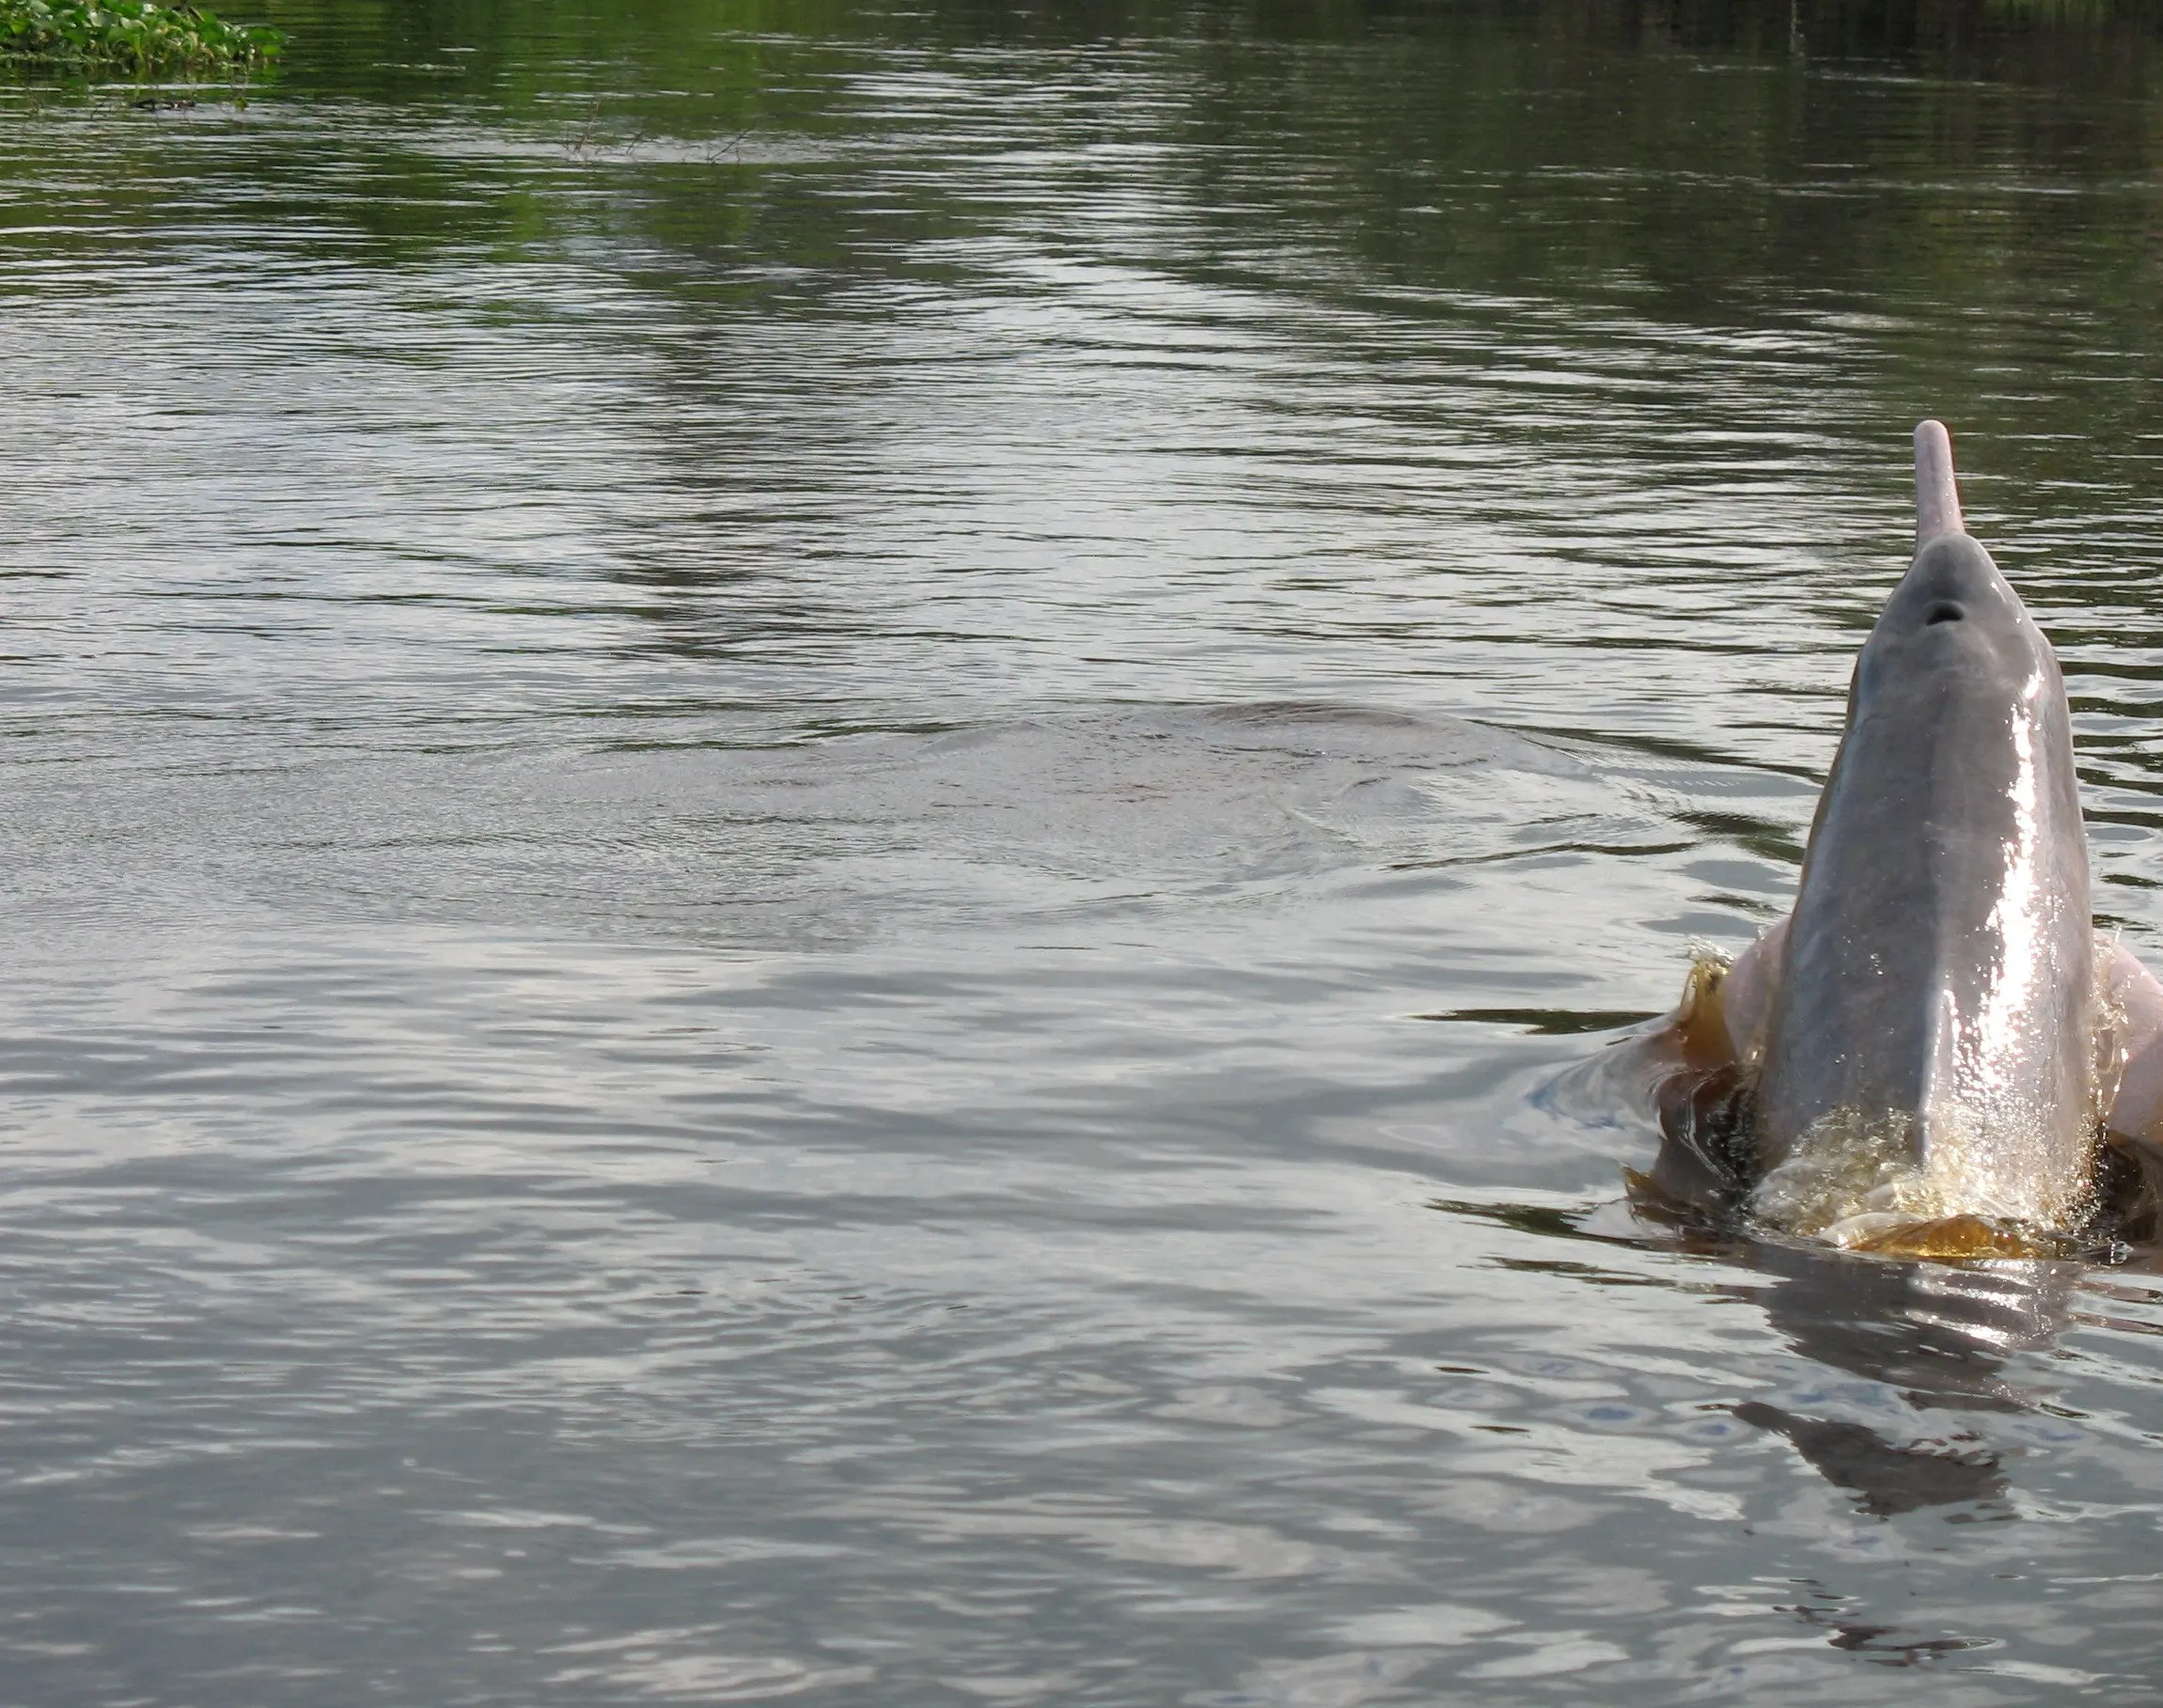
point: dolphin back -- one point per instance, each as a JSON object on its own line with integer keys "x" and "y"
{"x": 1929, "y": 1048}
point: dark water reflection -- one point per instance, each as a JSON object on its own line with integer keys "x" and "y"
{"x": 781, "y": 781}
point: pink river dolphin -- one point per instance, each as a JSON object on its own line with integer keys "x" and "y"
{"x": 1935, "y": 1053}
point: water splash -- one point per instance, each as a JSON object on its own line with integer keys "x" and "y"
{"x": 1859, "y": 1179}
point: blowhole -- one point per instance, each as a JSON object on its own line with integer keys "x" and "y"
{"x": 1943, "y": 611}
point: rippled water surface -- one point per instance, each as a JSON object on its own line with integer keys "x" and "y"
{"x": 806, "y": 811}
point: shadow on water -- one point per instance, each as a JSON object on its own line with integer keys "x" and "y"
{"x": 1826, "y": 1610}
{"x": 1886, "y": 1479}
{"x": 1942, "y": 1335}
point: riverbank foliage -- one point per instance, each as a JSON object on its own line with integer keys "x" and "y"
{"x": 138, "y": 37}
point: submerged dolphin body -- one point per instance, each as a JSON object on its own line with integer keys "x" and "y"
{"x": 1934, "y": 1038}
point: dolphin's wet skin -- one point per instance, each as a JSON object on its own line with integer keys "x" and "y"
{"x": 1935, "y": 1054}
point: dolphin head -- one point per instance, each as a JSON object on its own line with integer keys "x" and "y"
{"x": 1928, "y": 1050}
{"x": 1953, "y": 626}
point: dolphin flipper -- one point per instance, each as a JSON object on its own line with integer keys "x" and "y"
{"x": 1747, "y": 992}
{"x": 2133, "y": 1118}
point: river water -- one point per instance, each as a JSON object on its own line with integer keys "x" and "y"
{"x": 807, "y": 814}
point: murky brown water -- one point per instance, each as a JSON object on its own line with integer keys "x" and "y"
{"x": 804, "y": 810}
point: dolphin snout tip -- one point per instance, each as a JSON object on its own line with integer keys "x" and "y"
{"x": 1937, "y": 492}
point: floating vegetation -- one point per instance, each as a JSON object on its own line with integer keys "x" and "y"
{"x": 129, "y": 35}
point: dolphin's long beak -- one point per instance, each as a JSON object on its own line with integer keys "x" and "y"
{"x": 1936, "y": 496}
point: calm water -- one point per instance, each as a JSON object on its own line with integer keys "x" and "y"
{"x": 807, "y": 810}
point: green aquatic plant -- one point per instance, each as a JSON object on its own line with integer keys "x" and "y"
{"x": 141, "y": 36}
